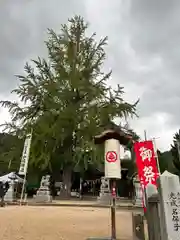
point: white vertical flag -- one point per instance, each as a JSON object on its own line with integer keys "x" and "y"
{"x": 125, "y": 154}
{"x": 25, "y": 155}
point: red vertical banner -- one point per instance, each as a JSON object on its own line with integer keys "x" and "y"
{"x": 146, "y": 163}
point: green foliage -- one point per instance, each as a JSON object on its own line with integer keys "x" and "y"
{"x": 130, "y": 165}
{"x": 174, "y": 152}
{"x": 66, "y": 100}
{"x": 166, "y": 161}
{"x": 10, "y": 152}
{"x": 130, "y": 145}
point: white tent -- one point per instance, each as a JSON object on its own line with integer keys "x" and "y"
{"x": 11, "y": 177}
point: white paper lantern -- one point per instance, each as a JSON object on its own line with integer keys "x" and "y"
{"x": 112, "y": 159}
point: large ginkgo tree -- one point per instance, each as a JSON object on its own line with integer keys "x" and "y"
{"x": 65, "y": 99}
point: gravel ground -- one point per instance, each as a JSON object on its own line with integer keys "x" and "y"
{"x": 60, "y": 223}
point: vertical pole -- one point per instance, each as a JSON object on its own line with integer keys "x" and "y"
{"x": 143, "y": 189}
{"x": 9, "y": 165}
{"x": 147, "y": 214}
{"x": 80, "y": 188}
{"x": 156, "y": 155}
{"x": 145, "y": 135}
{"x": 23, "y": 188}
{"x": 113, "y": 210}
{"x": 144, "y": 196}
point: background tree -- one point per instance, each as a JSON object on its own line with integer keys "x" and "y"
{"x": 166, "y": 161}
{"x": 175, "y": 151}
{"x": 66, "y": 100}
{"x": 10, "y": 152}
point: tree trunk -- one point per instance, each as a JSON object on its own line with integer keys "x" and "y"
{"x": 67, "y": 174}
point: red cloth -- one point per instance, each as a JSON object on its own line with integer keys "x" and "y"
{"x": 146, "y": 164}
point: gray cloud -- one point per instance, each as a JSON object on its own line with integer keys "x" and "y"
{"x": 155, "y": 34}
{"x": 24, "y": 26}
{"x": 143, "y": 50}
{"x": 144, "y": 54}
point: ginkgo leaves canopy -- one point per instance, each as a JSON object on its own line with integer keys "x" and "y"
{"x": 66, "y": 98}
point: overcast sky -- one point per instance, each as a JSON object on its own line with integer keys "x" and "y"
{"x": 143, "y": 51}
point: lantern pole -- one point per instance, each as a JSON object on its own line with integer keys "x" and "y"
{"x": 113, "y": 209}
{"x": 112, "y": 137}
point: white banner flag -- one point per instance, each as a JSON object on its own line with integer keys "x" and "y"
{"x": 25, "y": 155}
{"x": 125, "y": 154}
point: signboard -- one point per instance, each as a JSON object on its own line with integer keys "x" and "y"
{"x": 25, "y": 155}
{"x": 170, "y": 194}
{"x": 112, "y": 159}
